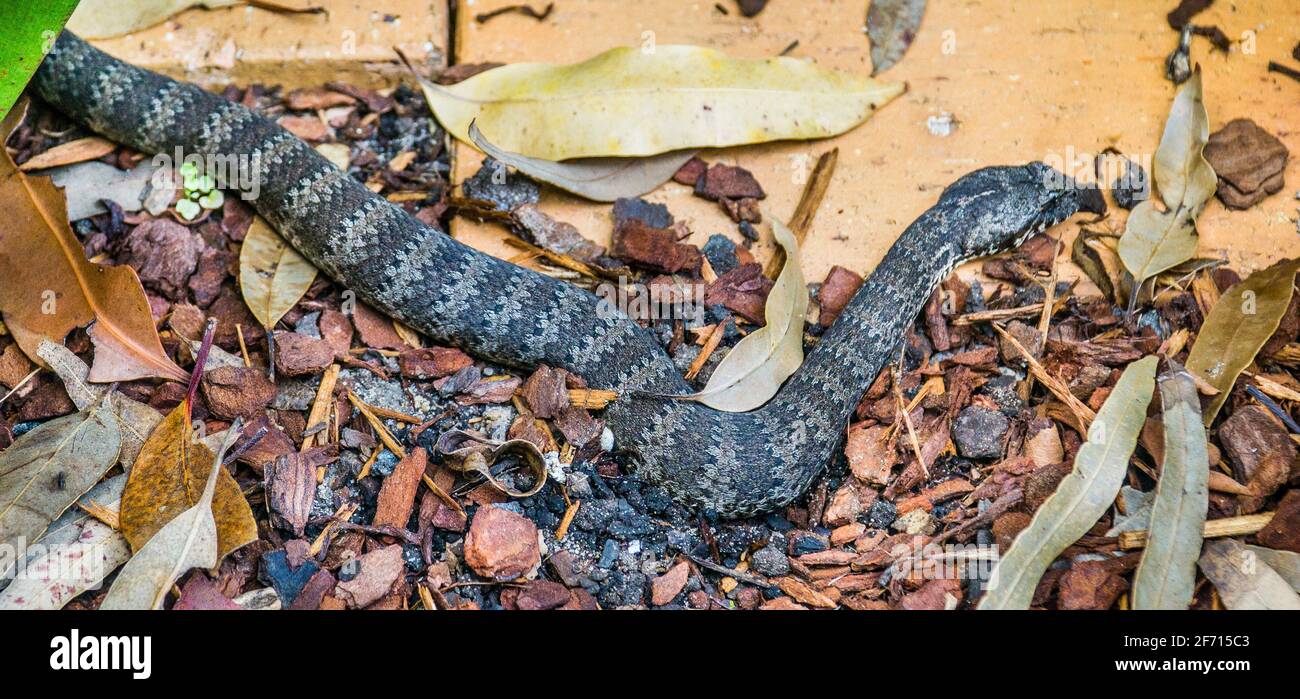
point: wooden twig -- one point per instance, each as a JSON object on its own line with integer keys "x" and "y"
{"x": 806, "y": 210}
{"x": 1083, "y": 413}
{"x": 1215, "y": 528}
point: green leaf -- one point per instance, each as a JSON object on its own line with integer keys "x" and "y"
{"x": 636, "y": 101}
{"x": 29, "y": 31}
{"x": 1082, "y": 497}
{"x": 1238, "y": 325}
{"x": 1166, "y": 575}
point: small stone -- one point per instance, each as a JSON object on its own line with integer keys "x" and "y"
{"x": 770, "y": 561}
{"x": 917, "y": 521}
{"x": 501, "y": 545}
{"x": 1249, "y": 161}
{"x": 979, "y": 432}
{"x": 844, "y": 507}
{"x": 665, "y": 588}
{"x": 881, "y": 514}
{"x": 721, "y": 253}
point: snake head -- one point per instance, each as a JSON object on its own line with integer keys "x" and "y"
{"x": 1001, "y": 207}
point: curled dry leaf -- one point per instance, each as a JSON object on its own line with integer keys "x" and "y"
{"x": 756, "y": 367}
{"x": 1243, "y": 578}
{"x": 65, "y": 291}
{"x": 1156, "y": 240}
{"x": 188, "y": 541}
{"x": 629, "y": 102}
{"x": 75, "y": 554}
{"x": 892, "y": 25}
{"x": 44, "y": 472}
{"x": 166, "y": 481}
{"x": 1082, "y": 497}
{"x": 1166, "y": 574}
{"x": 598, "y": 179}
{"x": 1238, "y": 325}
{"x": 272, "y": 275}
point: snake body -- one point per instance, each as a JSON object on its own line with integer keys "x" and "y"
{"x": 729, "y": 464}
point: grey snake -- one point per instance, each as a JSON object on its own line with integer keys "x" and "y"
{"x": 729, "y": 464}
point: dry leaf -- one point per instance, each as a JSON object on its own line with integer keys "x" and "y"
{"x": 1238, "y": 326}
{"x": 272, "y": 275}
{"x": 892, "y": 25}
{"x": 634, "y": 102}
{"x": 755, "y": 368}
{"x": 188, "y": 541}
{"x": 135, "y": 420}
{"x": 165, "y": 482}
{"x": 1155, "y": 240}
{"x": 87, "y": 185}
{"x": 64, "y": 291}
{"x": 1082, "y": 497}
{"x": 1243, "y": 579}
{"x": 1166, "y": 574}
{"x": 598, "y": 179}
{"x": 1284, "y": 563}
{"x": 100, "y": 19}
{"x": 80, "y": 150}
{"x": 75, "y": 555}
{"x": 44, "y": 471}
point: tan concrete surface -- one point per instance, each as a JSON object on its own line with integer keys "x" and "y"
{"x": 1025, "y": 80}
{"x": 353, "y": 43}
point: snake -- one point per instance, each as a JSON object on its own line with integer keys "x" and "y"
{"x": 722, "y": 464}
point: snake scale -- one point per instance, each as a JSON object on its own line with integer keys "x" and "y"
{"x": 727, "y": 464}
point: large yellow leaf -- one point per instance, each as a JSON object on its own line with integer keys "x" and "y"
{"x": 272, "y": 275}
{"x": 655, "y": 99}
{"x": 168, "y": 479}
{"x": 47, "y": 287}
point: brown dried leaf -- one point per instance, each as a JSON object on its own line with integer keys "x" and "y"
{"x": 165, "y": 483}
{"x": 65, "y": 291}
